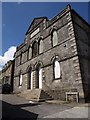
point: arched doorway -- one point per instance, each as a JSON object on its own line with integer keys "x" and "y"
{"x": 39, "y": 77}
{"x": 30, "y": 75}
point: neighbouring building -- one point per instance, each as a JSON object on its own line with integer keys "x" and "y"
{"x": 8, "y": 73}
{"x": 0, "y": 76}
{"x": 54, "y": 58}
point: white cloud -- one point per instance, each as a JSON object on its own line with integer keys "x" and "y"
{"x": 19, "y": 2}
{"x": 8, "y": 55}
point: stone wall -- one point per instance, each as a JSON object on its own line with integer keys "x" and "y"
{"x": 82, "y": 33}
{"x": 68, "y": 48}
{"x": 67, "y": 52}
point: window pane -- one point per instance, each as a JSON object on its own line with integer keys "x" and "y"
{"x": 57, "y": 69}
{"x": 35, "y": 49}
{"x": 55, "y": 40}
{"x": 20, "y": 80}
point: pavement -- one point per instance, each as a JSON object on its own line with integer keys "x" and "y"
{"x": 17, "y": 107}
{"x": 76, "y": 112}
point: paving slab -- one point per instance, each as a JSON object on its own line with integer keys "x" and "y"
{"x": 76, "y": 112}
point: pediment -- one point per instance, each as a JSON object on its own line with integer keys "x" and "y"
{"x": 35, "y": 23}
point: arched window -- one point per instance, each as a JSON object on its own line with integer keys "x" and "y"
{"x": 20, "y": 80}
{"x": 35, "y": 49}
{"x": 57, "y": 73}
{"x": 40, "y": 46}
{"x": 29, "y": 53}
{"x": 54, "y": 38}
{"x": 21, "y": 59}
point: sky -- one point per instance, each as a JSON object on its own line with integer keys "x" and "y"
{"x": 17, "y": 16}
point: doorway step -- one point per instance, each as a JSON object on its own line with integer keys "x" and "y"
{"x": 36, "y": 95}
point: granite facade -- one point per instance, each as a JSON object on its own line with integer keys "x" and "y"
{"x": 71, "y": 52}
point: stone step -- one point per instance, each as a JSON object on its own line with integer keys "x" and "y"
{"x": 45, "y": 95}
{"x": 36, "y": 95}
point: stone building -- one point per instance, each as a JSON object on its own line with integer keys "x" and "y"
{"x": 0, "y": 76}
{"x": 8, "y": 73}
{"x": 54, "y": 58}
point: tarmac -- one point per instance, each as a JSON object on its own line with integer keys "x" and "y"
{"x": 78, "y": 110}
{"x": 19, "y": 107}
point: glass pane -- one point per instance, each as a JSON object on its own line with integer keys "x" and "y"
{"x": 57, "y": 69}
{"x": 20, "y": 80}
{"x": 35, "y": 49}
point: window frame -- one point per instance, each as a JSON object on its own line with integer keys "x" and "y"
{"x": 20, "y": 83}
{"x": 33, "y": 49}
{"x": 54, "y": 30}
{"x": 54, "y": 69}
{"x": 39, "y": 46}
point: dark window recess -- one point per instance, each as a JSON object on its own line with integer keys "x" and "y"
{"x": 35, "y": 49}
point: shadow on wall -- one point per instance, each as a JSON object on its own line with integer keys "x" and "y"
{"x": 85, "y": 83}
{"x": 86, "y": 89}
{"x": 14, "y": 112}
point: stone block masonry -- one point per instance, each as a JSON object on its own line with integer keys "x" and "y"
{"x": 51, "y": 46}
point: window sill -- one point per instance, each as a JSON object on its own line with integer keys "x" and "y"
{"x": 20, "y": 86}
{"x": 57, "y": 79}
